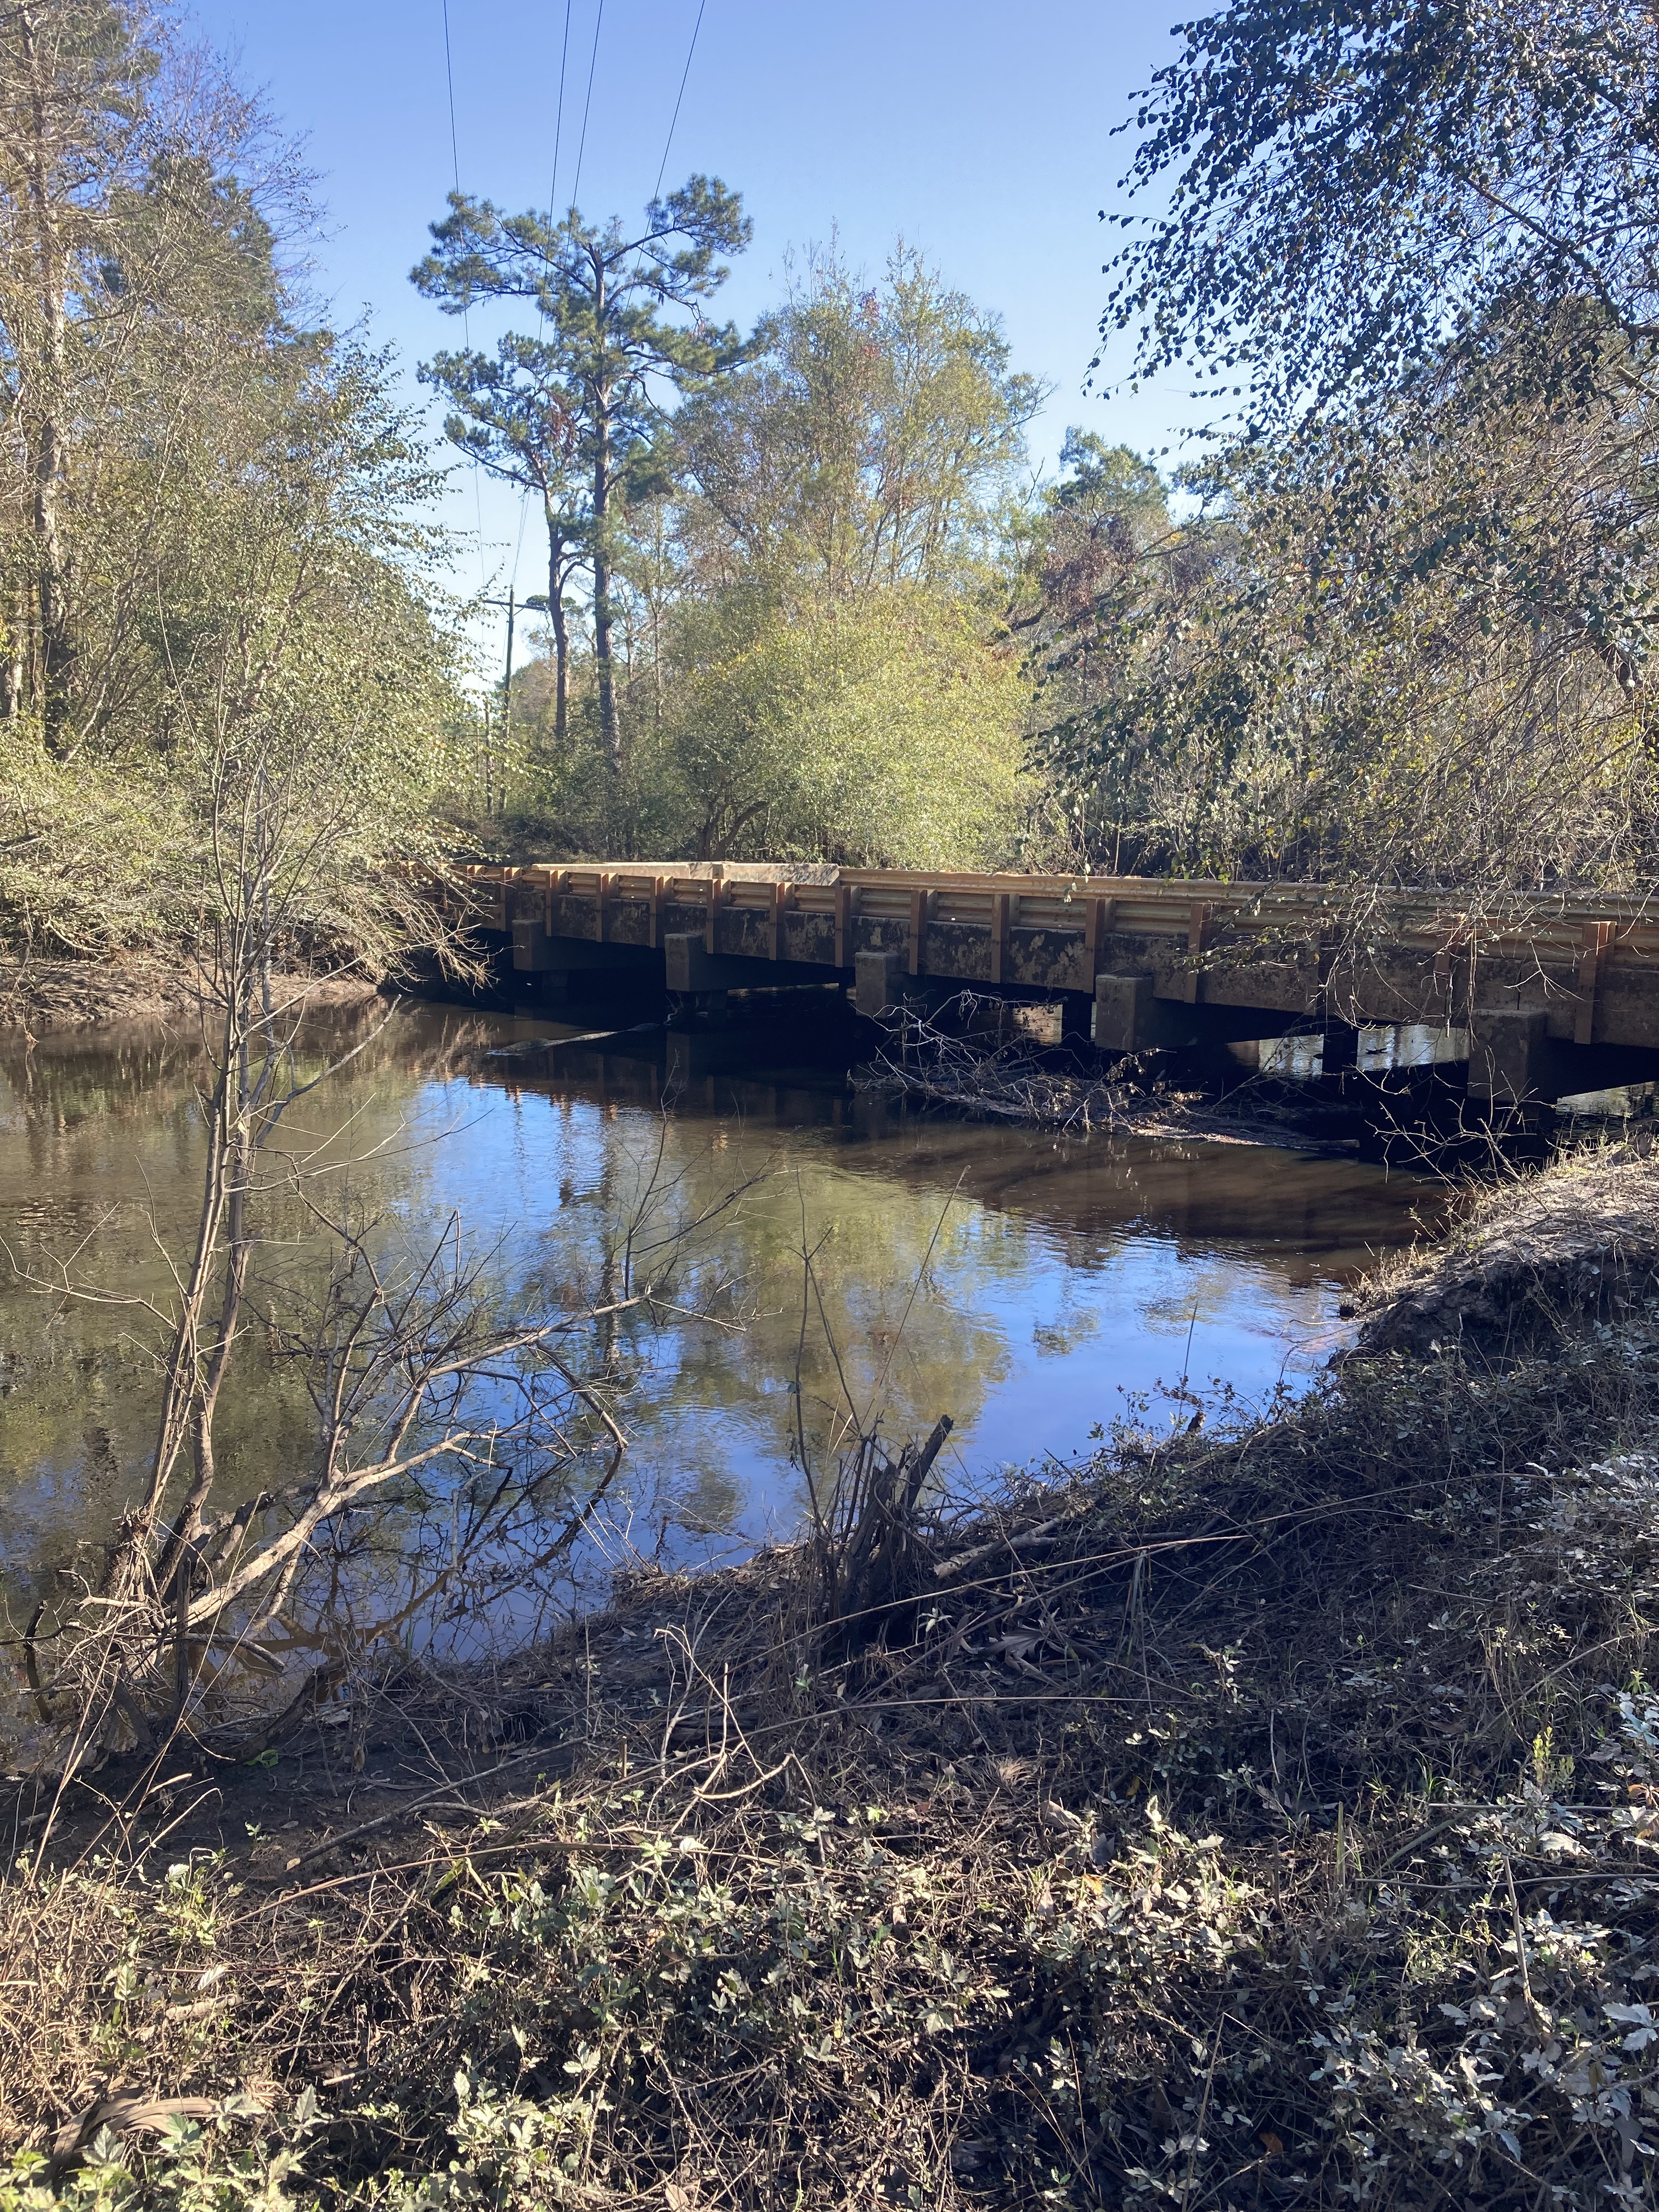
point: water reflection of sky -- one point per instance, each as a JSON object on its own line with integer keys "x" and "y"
{"x": 1029, "y": 1293}
{"x": 1020, "y": 1286}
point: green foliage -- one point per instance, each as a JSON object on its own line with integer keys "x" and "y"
{"x": 1374, "y": 667}
{"x": 217, "y": 566}
{"x": 581, "y": 396}
{"x": 869, "y": 440}
{"x": 1407, "y": 638}
{"x": 190, "y": 2168}
{"x": 813, "y": 662}
{"x": 288, "y": 635}
{"x": 878, "y": 729}
{"x": 1350, "y": 185}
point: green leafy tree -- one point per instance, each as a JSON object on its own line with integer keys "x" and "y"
{"x": 603, "y": 295}
{"x": 1385, "y": 229}
{"x": 139, "y": 297}
{"x": 73, "y": 75}
{"x": 878, "y": 729}
{"x": 870, "y": 440}
{"x": 236, "y": 558}
{"x": 1350, "y": 185}
{"x": 1101, "y": 552}
{"x": 810, "y": 610}
{"x": 1412, "y": 254}
{"x": 294, "y": 641}
{"x": 1269, "y": 689}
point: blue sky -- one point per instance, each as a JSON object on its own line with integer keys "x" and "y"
{"x": 980, "y": 133}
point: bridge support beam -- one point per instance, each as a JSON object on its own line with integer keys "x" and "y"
{"x": 535, "y": 953}
{"x": 1130, "y": 1017}
{"x": 882, "y": 984}
{"x": 690, "y": 966}
{"x": 1506, "y": 1050}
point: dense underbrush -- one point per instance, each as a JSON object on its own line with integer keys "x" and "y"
{"x": 1269, "y": 1817}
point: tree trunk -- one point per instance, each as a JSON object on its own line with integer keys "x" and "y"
{"x": 57, "y": 646}
{"x": 13, "y": 674}
{"x": 609, "y": 733}
{"x": 560, "y": 635}
{"x": 561, "y": 673}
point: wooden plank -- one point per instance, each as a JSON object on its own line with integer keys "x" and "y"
{"x": 1201, "y": 919}
{"x": 1527, "y": 921}
{"x": 1595, "y": 941}
{"x": 1575, "y": 940}
{"x": 1096, "y": 924}
{"x": 998, "y": 933}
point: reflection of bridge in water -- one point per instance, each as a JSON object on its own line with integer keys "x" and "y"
{"x": 1542, "y": 997}
{"x": 1308, "y": 1216}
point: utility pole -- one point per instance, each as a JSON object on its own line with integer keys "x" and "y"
{"x": 511, "y": 603}
{"x": 506, "y": 689}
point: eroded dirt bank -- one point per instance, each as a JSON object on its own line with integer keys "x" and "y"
{"x": 1530, "y": 1259}
{"x": 1270, "y": 1816}
{"x": 40, "y": 996}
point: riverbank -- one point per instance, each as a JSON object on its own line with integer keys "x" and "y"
{"x": 1269, "y": 1814}
{"x": 39, "y": 995}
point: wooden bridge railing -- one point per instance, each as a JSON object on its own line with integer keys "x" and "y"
{"x": 1570, "y": 968}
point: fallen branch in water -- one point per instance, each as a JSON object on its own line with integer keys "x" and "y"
{"x": 964, "y": 1068}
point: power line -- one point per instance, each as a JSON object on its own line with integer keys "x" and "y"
{"x": 558, "y": 126}
{"x": 599, "y": 21}
{"x": 674, "y": 118}
{"x": 466, "y": 321}
{"x": 449, "y": 78}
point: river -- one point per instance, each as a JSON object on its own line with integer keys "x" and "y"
{"x": 1033, "y": 1289}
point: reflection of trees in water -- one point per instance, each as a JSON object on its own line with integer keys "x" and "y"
{"x": 892, "y": 1321}
{"x": 140, "y": 1074}
{"x": 1071, "y": 1326}
{"x": 87, "y": 1120}
{"x": 699, "y": 1492}
{"x": 99, "y": 1137}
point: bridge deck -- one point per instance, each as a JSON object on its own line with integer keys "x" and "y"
{"x": 1590, "y": 964}
{"x": 1582, "y": 971}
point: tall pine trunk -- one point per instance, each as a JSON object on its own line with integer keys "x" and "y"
{"x": 557, "y": 555}
{"x": 561, "y": 659}
{"x": 609, "y": 733}
{"x": 57, "y": 650}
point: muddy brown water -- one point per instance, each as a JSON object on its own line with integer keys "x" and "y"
{"x": 1032, "y": 1288}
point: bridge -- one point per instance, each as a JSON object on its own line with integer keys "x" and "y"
{"x": 1540, "y": 997}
